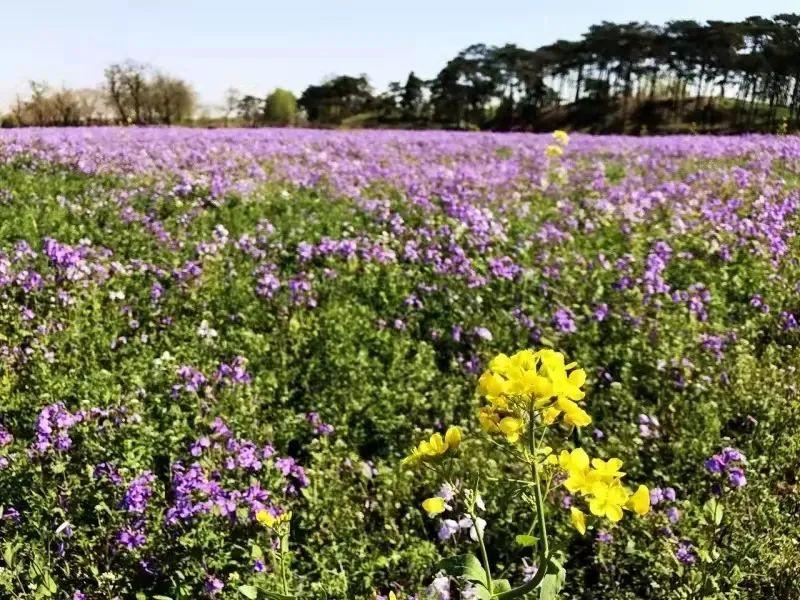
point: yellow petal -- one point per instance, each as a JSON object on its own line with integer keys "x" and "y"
{"x": 453, "y": 437}
{"x": 434, "y": 506}
{"x": 640, "y": 501}
{"x": 578, "y": 520}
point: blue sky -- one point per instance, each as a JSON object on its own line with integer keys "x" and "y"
{"x": 258, "y": 45}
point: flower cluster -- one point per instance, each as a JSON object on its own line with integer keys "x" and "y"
{"x": 435, "y": 447}
{"x": 600, "y": 483}
{"x": 530, "y": 384}
{"x": 730, "y": 462}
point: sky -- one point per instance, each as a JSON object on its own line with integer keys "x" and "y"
{"x": 257, "y": 45}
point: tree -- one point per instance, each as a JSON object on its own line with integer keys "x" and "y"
{"x": 280, "y": 108}
{"x": 231, "y": 104}
{"x": 249, "y": 110}
{"x": 340, "y": 97}
{"x": 127, "y": 87}
{"x": 412, "y": 97}
{"x": 169, "y": 100}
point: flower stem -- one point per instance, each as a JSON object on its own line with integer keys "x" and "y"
{"x": 484, "y": 555}
{"x": 544, "y": 544}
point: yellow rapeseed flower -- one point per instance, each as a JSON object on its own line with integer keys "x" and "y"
{"x": 452, "y": 437}
{"x": 561, "y": 137}
{"x": 607, "y": 470}
{"x": 434, "y": 447}
{"x": 607, "y": 500}
{"x": 511, "y": 427}
{"x": 434, "y": 506}
{"x": 578, "y": 519}
{"x": 640, "y": 501}
{"x": 553, "y": 151}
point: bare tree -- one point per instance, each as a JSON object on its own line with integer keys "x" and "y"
{"x": 232, "y": 100}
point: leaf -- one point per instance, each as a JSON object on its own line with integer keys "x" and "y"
{"x": 256, "y": 552}
{"x": 526, "y": 541}
{"x": 480, "y": 593}
{"x": 49, "y": 583}
{"x": 713, "y": 511}
{"x": 276, "y": 596}
{"x": 248, "y": 591}
{"x": 158, "y": 597}
{"x": 501, "y": 585}
{"x": 553, "y": 582}
{"x": 466, "y": 566}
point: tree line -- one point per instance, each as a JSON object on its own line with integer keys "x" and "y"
{"x": 631, "y": 77}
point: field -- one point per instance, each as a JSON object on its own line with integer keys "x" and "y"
{"x": 217, "y": 347}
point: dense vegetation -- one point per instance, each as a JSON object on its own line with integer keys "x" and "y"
{"x": 200, "y": 331}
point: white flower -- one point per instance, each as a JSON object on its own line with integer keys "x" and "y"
{"x": 116, "y": 295}
{"x": 206, "y": 332}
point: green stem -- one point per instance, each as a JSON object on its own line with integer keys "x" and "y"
{"x": 484, "y": 555}
{"x": 711, "y": 548}
{"x": 544, "y": 545}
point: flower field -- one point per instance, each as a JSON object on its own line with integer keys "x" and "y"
{"x": 292, "y": 364}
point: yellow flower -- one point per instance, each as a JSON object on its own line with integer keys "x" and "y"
{"x": 607, "y": 500}
{"x": 640, "y": 501}
{"x": 550, "y": 415}
{"x": 553, "y": 151}
{"x": 577, "y": 417}
{"x": 434, "y": 506}
{"x": 578, "y": 520}
{"x": 500, "y": 364}
{"x": 434, "y": 447}
{"x": 265, "y": 518}
{"x": 453, "y": 437}
{"x": 579, "y": 476}
{"x": 607, "y": 470}
{"x": 577, "y": 460}
{"x": 488, "y": 418}
{"x": 511, "y": 428}
{"x": 561, "y": 137}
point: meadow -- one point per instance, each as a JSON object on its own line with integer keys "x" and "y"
{"x": 221, "y": 350}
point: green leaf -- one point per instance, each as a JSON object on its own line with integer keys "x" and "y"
{"x": 48, "y": 582}
{"x": 713, "y": 511}
{"x": 481, "y": 593}
{"x": 501, "y": 585}
{"x": 276, "y": 596}
{"x": 157, "y": 597}
{"x": 466, "y": 566}
{"x": 248, "y": 591}
{"x": 553, "y": 582}
{"x": 526, "y": 541}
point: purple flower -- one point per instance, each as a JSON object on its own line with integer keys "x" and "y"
{"x": 564, "y": 321}
{"x": 736, "y": 477}
{"x": 685, "y": 553}
{"x": 601, "y": 312}
{"x": 212, "y": 585}
{"x": 130, "y": 538}
{"x": 448, "y": 529}
{"x": 320, "y": 427}
{"x": 138, "y": 493}
{"x": 604, "y": 537}
{"x": 5, "y": 437}
{"x": 715, "y": 464}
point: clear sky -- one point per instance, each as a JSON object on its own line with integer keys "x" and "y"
{"x": 256, "y": 45}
